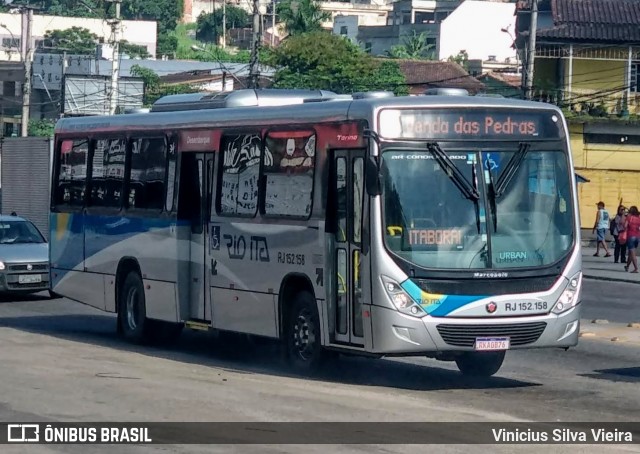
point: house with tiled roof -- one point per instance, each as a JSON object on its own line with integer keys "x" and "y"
{"x": 508, "y": 85}
{"x": 587, "y": 60}
{"x": 421, "y": 75}
{"x": 587, "y": 53}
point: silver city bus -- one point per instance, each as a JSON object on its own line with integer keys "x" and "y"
{"x": 443, "y": 226}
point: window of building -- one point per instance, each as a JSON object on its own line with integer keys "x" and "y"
{"x": 612, "y": 139}
{"x": 11, "y": 43}
{"x": 240, "y": 169}
{"x": 107, "y": 173}
{"x": 425, "y": 17}
{"x": 288, "y": 168}
{"x": 72, "y": 172}
{"x": 367, "y": 47}
{"x": 635, "y": 73}
{"x": 344, "y": 30}
{"x": 148, "y": 173}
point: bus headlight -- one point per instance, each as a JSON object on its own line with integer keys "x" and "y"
{"x": 401, "y": 299}
{"x": 569, "y": 298}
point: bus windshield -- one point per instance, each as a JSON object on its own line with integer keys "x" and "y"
{"x": 520, "y": 214}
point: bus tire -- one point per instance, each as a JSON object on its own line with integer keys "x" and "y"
{"x": 132, "y": 314}
{"x": 480, "y": 364}
{"x": 303, "y": 345}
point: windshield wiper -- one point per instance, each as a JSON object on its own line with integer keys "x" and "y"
{"x": 492, "y": 197}
{"x": 452, "y": 171}
{"x": 469, "y": 190}
{"x": 510, "y": 169}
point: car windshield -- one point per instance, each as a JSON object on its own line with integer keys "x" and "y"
{"x": 521, "y": 215}
{"x": 19, "y": 232}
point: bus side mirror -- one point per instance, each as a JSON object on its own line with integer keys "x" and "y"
{"x": 372, "y": 177}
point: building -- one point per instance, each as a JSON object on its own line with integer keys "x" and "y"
{"x": 142, "y": 33}
{"x": 78, "y": 84}
{"x": 488, "y": 32}
{"x": 406, "y": 18}
{"x": 587, "y": 60}
{"x": 422, "y": 75}
{"x": 508, "y": 85}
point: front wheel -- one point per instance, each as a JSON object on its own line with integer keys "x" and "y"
{"x": 303, "y": 345}
{"x": 480, "y": 364}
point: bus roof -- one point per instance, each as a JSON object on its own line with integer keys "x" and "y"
{"x": 315, "y": 106}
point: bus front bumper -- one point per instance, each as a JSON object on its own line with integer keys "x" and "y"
{"x": 397, "y": 334}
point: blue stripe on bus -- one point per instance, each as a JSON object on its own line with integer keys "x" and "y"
{"x": 69, "y": 248}
{"x": 437, "y": 305}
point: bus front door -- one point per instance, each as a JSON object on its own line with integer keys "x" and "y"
{"x": 200, "y": 304}
{"x": 348, "y": 181}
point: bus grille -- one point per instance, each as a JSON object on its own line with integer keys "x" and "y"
{"x": 465, "y": 335}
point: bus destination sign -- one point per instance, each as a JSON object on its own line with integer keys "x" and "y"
{"x": 469, "y": 124}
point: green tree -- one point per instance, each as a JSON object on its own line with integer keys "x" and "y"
{"x": 413, "y": 47}
{"x": 133, "y": 50}
{"x": 41, "y": 128}
{"x": 74, "y": 40}
{"x": 323, "y": 61}
{"x": 209, "y": 26}
{"x": 462, "y": 59}
{"x": 301, "y": 16}
{"x": 74, "y": 8}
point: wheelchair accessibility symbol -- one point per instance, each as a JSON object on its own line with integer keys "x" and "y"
{"x": 491, "y": 162}
{"x": 215, "y": 237}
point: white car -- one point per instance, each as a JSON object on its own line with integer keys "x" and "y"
{"x": 24, "y": 256}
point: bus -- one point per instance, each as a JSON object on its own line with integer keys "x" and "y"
{"x": 436, "y": 225}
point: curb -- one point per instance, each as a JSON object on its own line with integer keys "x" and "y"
{"x": 609, "y": 279}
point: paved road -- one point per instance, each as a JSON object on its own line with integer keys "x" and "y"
{"x": 61, "y": 361}
{"x": 612, "y": 301}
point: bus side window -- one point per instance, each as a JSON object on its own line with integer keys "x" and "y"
{"x": 72, "y": 173}
{"x": 148, "y": 171}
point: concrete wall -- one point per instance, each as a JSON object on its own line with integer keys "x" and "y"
{"x": 143, "y": 33}
{"x": 475, "y": 27}
{"x": 613, "y": 169}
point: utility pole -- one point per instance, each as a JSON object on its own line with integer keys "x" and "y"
{"x": 531, "y": 51}
{"x": 254, "y": 72}
{"x": 27, "y": 58}
{"x": 115, "y": 65}
{"x": 273, "y": 23}
{"x": 224, "y": 24}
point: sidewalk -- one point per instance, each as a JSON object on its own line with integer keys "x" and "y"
{"x": 600, "y": 267}
{"x": 604, "y": 269}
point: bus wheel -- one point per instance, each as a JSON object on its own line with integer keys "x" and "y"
{"x": 132, "y": 311}
{"x": 480, "y": 364}
{"x": 304, "y": 350}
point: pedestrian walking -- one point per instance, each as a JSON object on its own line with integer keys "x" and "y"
{"x": 632, "y": 227}
{"x": 600, "y": 228}
{"x": 620, "y": 236}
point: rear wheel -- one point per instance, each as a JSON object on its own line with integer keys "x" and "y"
{"x": 132, "y": 314}
{"x": 480, "y": 364}
{"x": 303, "y": 347}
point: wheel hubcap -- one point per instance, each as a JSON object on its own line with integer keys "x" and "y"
{"x": 304, "y": 338}
{"x": 132, "y": 308}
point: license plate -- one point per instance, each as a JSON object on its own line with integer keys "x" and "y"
{"x": 29, "y": 278}
{"x": 492, "y": 343}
